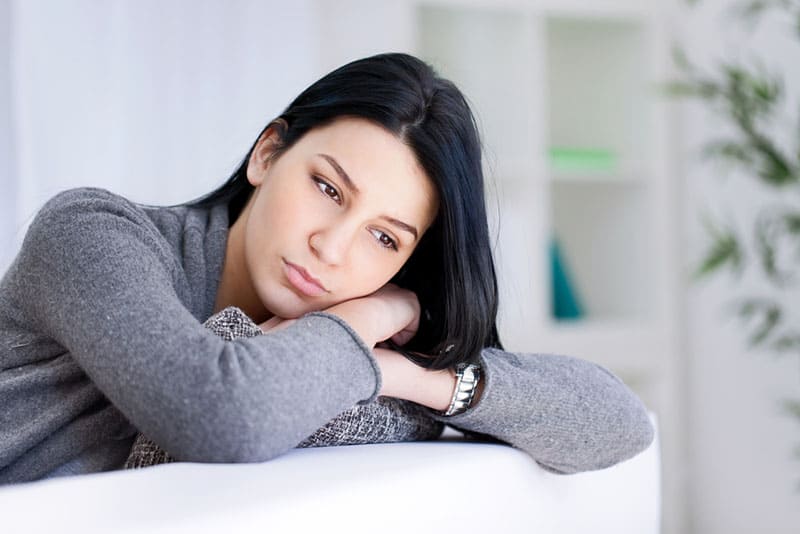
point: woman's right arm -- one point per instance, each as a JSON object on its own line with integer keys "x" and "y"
{"x": 94, "y": 275}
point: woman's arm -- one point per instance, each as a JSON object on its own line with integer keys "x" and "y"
{"x": 404, "y": 379}
{"x": 568, "y": 414}
{"x": 96, "y": 276}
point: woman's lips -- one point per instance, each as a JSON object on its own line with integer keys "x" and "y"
{"x": 302, "y": 281}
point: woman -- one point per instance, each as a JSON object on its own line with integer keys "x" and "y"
{"x": 355, "y": 233}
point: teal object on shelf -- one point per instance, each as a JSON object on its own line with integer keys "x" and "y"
{"x": 566, "y": 303}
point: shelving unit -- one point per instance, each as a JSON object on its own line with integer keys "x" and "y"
{"x": 597, "y": 104}
{"x": 576, "y": 150}
{"x": 562, "y": 99}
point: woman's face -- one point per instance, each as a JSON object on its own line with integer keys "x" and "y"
{"x": 346, "y": 205}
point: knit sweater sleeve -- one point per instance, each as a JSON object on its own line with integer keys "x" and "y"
{"x": 568, "y": 414}
{"x": 97, "y": 278}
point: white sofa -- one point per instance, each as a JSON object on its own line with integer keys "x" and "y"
{"x": 449, "y": 485}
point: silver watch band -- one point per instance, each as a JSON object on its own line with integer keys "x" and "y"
{"x": 467, "y": 377}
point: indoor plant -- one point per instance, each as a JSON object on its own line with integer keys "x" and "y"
{"x": 753, "y": 103}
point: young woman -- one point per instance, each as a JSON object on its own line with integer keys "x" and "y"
{"x": 354, "y": 232}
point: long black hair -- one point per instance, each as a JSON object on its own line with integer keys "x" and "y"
{"x": 451, "y": 270}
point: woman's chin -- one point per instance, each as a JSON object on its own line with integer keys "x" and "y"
{"x": 294, "y": 310}
{"x": 288, "y": 304}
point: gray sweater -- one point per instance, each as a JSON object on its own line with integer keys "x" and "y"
{"x": 101, "y": 337}
{"x": 387, "y": 420}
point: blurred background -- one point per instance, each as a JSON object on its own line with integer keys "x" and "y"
{"x": 627, "y": 144}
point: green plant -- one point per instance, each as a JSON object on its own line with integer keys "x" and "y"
{"x": 753, "y": 101}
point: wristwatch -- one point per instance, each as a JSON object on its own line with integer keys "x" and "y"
{"x": 467, "y": 377}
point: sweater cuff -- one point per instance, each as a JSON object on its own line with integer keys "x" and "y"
{"x": 361, "y": 345}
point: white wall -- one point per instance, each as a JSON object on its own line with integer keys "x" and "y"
{"x": 742, "y": 475}
{"x": 8, "y": 185}
{"x": 130, "y": 95}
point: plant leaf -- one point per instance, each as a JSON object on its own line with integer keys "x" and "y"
{"x": 775, "y": 228}
{"x": 791, "y": 221}
{"x": 681, "y": 59}
{"x": 767, "y": 312}
{"x": 771, "y": 319}
{"x": 750, "y": 96}
{"x": 787, "y": 343}
{"x": 733, "y": 151}
{"x": 764, "y": 238}
{"x": 775, "y": 169}
{"x": 724, "y": 250}
{"x": 792, "y": 407}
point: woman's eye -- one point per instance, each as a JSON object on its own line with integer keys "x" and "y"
{"x": 327, "y": 189}
{"x": 385, "y": 240}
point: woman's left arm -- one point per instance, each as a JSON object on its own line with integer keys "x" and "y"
{"x": 568, "y": 414}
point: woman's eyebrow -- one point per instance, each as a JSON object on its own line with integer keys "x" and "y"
{"x": 354, "y": 189}
{"x": 340, "y": 171}
{"x": 400, "y": 224}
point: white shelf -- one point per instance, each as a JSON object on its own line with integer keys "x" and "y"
{"x": 629, "y": 177}
{"x": 596, "y": 87}
{"x": 592, "y": 8}
{"x": 575, "y": 147}
{"x": 536, "y": 170}
{"x": 570, "y": 82}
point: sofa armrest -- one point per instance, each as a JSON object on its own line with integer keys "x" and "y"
{"x": 398, "y": 487}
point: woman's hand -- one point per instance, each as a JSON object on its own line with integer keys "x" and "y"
{"x": 391, "y": 312}
{"x": 402, "y": 313}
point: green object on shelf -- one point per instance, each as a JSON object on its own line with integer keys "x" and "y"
{"x": 565, "y": 304}
{"x": 582, "y": 159}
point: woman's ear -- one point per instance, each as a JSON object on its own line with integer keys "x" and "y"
{"x": 270, "y": 140}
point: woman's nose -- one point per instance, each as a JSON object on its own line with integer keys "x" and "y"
{"x": 332, "y": 244}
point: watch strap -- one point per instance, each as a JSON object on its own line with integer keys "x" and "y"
{"x": 467, "y": 377}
